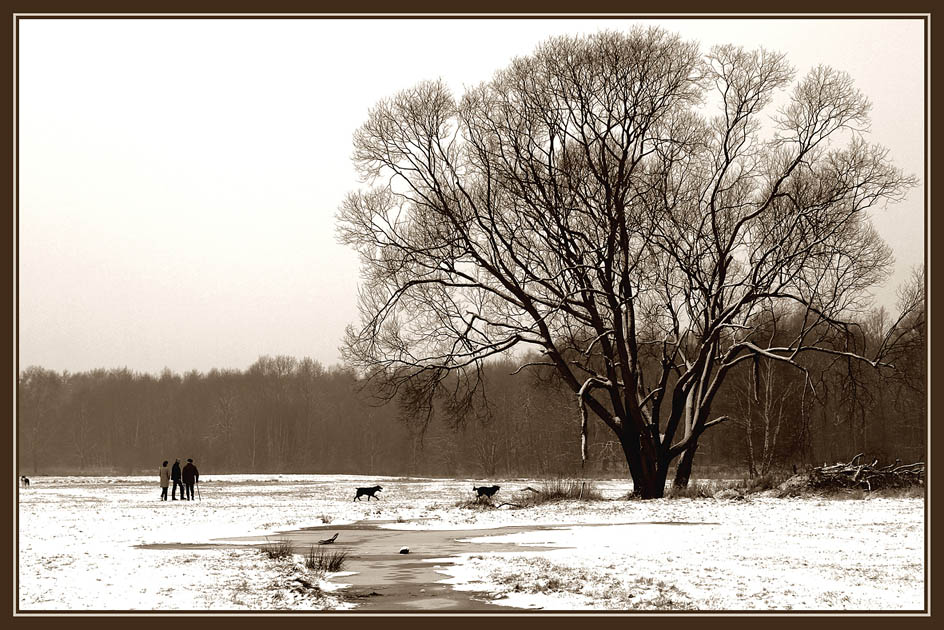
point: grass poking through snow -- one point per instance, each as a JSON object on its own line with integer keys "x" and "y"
{"x": 566, "y": 490}
{"x": 323, "y": 561}
{"x": 708, "y": 488}
{"x": 539, "y": 575}
{"x": 478, "y": 503}
{"x": 694, "y": 490}
{"x": 552, "y": 491}
{"x": 277, "y": 550}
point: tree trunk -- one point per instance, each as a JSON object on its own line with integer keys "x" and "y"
{"x": 648, "y": 476}
{"x": 684, "y": 471}
{"x": 35, "y": 450}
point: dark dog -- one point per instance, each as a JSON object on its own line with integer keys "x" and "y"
{"x": 486, "y": 491}
{"x": 370, "y": 492}
{"x": 26, "y": 481}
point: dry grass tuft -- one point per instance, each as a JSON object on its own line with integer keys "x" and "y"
{"x": 552, "y": 490}
{"x": 694, "y": 490}
{"x": 478, "y": 503}
{"x": 608, "y": 591}
{"x": 907, "y": 492}
{"x": 770, "y": 481}
{"x": 277, "y": 550}
{"x": 707, "y": 488}
{"x": 567, "y": 490}
{"x": 323, "y": 561}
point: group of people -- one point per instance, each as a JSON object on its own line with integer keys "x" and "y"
{"x": 186, "y": 478}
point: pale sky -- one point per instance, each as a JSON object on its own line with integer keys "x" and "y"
{"x": 179, "y": 179}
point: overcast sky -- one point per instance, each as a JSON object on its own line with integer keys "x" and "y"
{"x": 179, "y": 178}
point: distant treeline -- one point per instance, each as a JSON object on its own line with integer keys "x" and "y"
{"x": 295, "y": 416}
{"x": 280, "y": 415}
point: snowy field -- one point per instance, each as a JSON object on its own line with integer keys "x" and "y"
{"x": 80, "y": 538}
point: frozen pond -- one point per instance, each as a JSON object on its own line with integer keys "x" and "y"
{"x": 389, "y": 580}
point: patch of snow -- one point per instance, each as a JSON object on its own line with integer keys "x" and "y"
{"x": 79, "y": 537}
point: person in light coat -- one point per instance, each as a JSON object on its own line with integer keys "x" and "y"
{"x": 164, "y": 473}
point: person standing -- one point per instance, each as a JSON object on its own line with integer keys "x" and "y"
{"x": 164, "y": 472}
{"x": 175, "y": 477}
{"x": 191, "y": 476}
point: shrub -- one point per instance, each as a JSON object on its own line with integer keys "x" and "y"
{"x": 907, "y": 492}
{"x": 323, "y": 561}
{"x": 694, "y": 490}
{"x": 568, "y": 489}
{"x": 770, "y": 481}
{"x": 551, "y": 490}
{"x": 277, "y": 550}
{"x": 852, "y": 494}
{"x": 478, "y": 503}
{"x": 707, "y": 488}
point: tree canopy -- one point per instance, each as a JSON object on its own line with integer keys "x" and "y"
{"x": 628, "y": 207}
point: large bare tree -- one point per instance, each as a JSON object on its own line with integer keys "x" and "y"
{"x": 624, "y": 205}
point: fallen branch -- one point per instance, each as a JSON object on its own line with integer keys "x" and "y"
{"x": 866, "y": 476}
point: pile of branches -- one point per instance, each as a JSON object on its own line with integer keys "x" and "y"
{"x": 866, "y": 476}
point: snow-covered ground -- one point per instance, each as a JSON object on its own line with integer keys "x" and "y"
{"x": 79, "y": 537}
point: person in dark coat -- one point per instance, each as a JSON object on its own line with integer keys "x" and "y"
{"x": 191, "y": 476}
{"x": 175, "y": 477}
{"x": 164, "y": 473}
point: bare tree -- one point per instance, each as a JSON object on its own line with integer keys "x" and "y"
{"x": 222, "y": 425}
{"x": 584, "y": 203}
{"x": 764, "y": 399}
{"x": 37, "y": 394}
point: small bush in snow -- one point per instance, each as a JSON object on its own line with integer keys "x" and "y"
{"x": 707, "y": 488}
{"x": 478, "y": 503}
{"x": 561, "y": 490}
{"x": 770, "y": 481}
{"x": 694, "y": 490}
{"x": 277, "y": 550}
{"x": 323, "y": 561}
{"x": 908, "y": 492}
{"x": 853, "y": 494}
{"x": 552, "y": 490}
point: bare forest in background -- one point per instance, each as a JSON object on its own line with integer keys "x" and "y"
{"x": 295, "y": 416}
